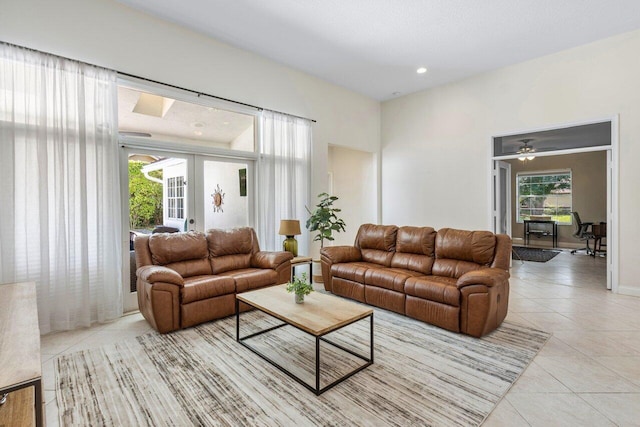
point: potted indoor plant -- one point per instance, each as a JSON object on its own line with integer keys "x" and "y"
{"x": 324, "y": 219}
{"x": 300, "y": 287}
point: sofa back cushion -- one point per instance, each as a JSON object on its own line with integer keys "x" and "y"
{"x": 461, "y": 251}
{"x": 231, "y": 249}
{"x": 415, "y": 249}
{"x": 377, "y": 243}
{"x": 186, "y": 253}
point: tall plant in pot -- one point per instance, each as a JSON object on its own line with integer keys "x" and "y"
{"x": 324, "y": 220}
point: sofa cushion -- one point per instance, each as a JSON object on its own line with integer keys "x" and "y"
{"x": 415, "y": 249}
{"x": 252, "y": 278}
{"x": 230, "y": 242}
{"x": 377, "y": 243}
{"x": 168, "y": 248}
{"x": 461, "y": 251}
{"x": 463, "y": 245}
{"x": 434, "y": 288}
{"x": 231, "y": 249}
{"x": 389, "y": 278}
{"x": 353, "y": 271}
{"x": 194, "y": 267}
{"x": 198, "y": 288}
{"x": 453, "y": 268}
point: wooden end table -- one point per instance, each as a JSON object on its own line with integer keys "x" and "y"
{"x": 300, "y": 261}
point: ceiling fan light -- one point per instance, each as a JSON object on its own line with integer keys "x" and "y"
{"x": 531, "y": 157}
{"x": 522, "y": 158}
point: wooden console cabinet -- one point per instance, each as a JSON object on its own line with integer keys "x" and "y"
{"x": 20, "y": 364}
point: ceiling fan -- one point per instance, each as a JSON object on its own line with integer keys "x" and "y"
{"x": 526, "y": 152}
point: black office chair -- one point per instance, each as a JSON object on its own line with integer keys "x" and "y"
{"x": 582, "y": 232}
{"x": 600, "y": 233}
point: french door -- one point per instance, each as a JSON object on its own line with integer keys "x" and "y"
{"x": 501, "y": 197}
{"x": 168, "y": 191}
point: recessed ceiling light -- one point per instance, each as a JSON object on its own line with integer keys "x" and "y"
{"x": 225, "y": 123}
{"x": 197, "y": 132}
{"x": 421, "y": 70}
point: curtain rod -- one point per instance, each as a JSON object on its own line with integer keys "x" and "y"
{"x": 161, "y": 83}
{"x": 199, "y": 94}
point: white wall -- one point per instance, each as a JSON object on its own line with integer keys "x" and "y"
{"x": 354, "y": 182}
{"x": 109, "y": 34}
{"x": 435, "y": 143}
{"x": 234, "y": 207}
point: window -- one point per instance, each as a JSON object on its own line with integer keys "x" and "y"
{"x": 175, "y": 197}
{"x": 544, "y": 194}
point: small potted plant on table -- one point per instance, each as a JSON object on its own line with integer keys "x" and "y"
{"x": 300, "y": 287}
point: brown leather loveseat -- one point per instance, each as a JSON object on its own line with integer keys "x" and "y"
{"x": 189, "y": 278}
{"x": 454, "y": 279}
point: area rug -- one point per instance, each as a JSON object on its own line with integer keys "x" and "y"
{"x": 422, "y": 375}
{"x": 533, "y": 254}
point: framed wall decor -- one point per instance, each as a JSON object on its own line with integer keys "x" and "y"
{"x": 243, "y": 182}
{"x": 218, "y": 199}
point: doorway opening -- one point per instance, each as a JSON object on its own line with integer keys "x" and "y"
{"x": 352, "y": 178}
{"x": 540, "y": 177}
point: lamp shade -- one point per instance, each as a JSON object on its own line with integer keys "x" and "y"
{"x": 289, "y": 227}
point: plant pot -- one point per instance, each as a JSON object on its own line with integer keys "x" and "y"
{"x": 317, "y": 271}
{"x": 299, "y": 298}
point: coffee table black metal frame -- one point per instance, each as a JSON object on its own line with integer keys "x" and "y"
{"x": 317, "y": 389}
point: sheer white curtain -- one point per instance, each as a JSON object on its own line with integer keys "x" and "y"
{"x": 283, "y": 177}
{"x": 60, "y": 216}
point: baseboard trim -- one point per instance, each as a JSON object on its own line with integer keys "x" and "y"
{"x": 626, "y": 290}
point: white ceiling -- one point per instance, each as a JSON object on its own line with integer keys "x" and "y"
{"x": 375, "y": 46}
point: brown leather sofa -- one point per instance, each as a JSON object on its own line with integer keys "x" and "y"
{"x": 189, "y": 278}
{"x": 455, "y": 279}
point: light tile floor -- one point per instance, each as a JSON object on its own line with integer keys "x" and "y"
{"x": 588, "y": 373}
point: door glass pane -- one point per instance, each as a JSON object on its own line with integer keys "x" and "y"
{"x": 148, "y": 115}
{"x": 503, "y": 201}
{"x": 226, "y": 200}
{"x": 156, "y": 198}
{"x": 591, "y": 135}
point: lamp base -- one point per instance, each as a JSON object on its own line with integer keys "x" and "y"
{"x": 290, "y": 244}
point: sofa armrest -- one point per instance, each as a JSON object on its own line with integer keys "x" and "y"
{"x": 273, "y": 260}
{"x": 486, "y": 276}
{"x": 338, "y": 254}
{"x": 484, "y": 300}
{"x": 157, "y": 273}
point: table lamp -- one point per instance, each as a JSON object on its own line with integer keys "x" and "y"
{"x": 290, "y": 228}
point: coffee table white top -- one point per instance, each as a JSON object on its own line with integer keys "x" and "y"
{"x": 318, "y": 315}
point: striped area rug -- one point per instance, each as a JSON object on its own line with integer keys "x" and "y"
{"x": 422, "y": 375}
